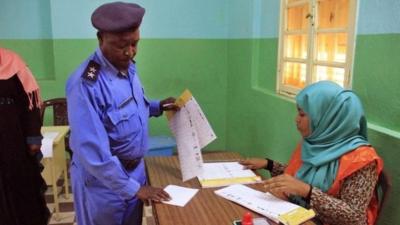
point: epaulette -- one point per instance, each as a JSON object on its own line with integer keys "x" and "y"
{"x": 92, "y": 71}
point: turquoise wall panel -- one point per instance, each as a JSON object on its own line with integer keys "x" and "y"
{"x": 379, "y": 17}
{"x": 204, "y": 19}
{"x": 25, "y": 19}
{"x": 163, "y": 19}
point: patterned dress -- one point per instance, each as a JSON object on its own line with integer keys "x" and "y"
{"x": 349, "y": 208}
{"x": 21, "y": 185}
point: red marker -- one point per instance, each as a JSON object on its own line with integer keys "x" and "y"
{"x": 247, "y": 219}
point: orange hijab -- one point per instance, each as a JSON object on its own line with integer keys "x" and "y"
{"x": 11, "y": 64}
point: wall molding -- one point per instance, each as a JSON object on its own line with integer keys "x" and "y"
{"x": 384, "y": 130}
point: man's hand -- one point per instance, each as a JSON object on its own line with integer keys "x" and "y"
{"x": 254, "y": 164}
{"x": 283, "y": 186}
{"x": 168, "y": 104}
{"x": 34, "y": 148}
{"x": 148, "y": 193}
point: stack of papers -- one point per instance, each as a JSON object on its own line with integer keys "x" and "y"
{"x": 266, "y": 204}
{"x": 226, "y": 173}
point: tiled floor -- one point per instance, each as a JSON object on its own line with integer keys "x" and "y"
{"x": 67, "y": 214}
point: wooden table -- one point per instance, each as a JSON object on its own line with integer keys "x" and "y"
{"x": 206, "y": 207}
{"x": 56, "y": 165}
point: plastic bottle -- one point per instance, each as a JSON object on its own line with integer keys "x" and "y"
{"x": 247, "y": 219}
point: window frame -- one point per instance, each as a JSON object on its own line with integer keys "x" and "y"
{"x": 312, "y": 31}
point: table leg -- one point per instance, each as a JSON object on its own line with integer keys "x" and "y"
{"x": 55, "y": 191}
{"x": 66, "y": 183}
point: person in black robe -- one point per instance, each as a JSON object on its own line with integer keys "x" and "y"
{"x": 22, "y": 187}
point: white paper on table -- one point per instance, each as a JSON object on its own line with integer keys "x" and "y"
{"x": 260, "y": 221}
{"x": 179, "y": 195}
{"x": 263, "y": 203}
{"x": 47, "y": 143}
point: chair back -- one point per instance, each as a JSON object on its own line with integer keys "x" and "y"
{"x": 60, "y": 114}
{"x": 383, "y": 188}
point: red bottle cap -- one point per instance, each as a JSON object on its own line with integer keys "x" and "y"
{"x": 247, "y": 219}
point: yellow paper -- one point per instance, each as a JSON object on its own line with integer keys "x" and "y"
{"x": 296, "y": 216}
{"x": 180, "y": 101}
{"x": 229, "y": 181}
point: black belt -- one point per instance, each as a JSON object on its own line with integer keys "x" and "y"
{"x": 6, "y": 101}
{"x": 130, "y": 164}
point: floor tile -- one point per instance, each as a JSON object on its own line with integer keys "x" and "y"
{"x": 63, "y": 218}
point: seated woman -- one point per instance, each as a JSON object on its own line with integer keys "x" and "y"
{"x": 334, "y": 169}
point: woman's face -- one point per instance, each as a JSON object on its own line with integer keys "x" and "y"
{"x": 303, "y": 123}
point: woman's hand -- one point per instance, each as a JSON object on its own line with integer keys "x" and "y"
{"x": 284, "y": 185}
{"x": 254, "y": 164}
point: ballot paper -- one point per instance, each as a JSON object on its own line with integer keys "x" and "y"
{"x": 47, "y": 143}
{"x": 218, "y": 174}
{"x": 179, "y": 195}
{"x": 192, "y": 132}
{"x": 278, "y": 210}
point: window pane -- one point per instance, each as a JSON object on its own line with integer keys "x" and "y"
{"x": 333, "y": 13}
{"x": 296, "y": 18}
{"x": 329, "y": 73}
{"x": 332, "y": 47}
{"x": 296, "y": 46}
{"x": 294, "y": 74}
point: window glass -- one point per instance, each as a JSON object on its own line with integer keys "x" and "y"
{"x": 333, "y": 13}
{"x": 296, "y": 46}
{"x": 332, "y": 47}
{"x": 297, "y": 17}
{"x": 329, "y": 73}
{"x": 294, "y": 74}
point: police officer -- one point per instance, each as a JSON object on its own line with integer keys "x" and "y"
{"x": 108, "y": 115}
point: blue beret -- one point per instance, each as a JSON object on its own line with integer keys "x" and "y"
{"x": 117, "y": 17}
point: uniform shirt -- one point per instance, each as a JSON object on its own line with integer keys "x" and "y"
{"x": 108, "y": 116}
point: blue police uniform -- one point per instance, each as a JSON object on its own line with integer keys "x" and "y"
{"x": 108, "y": 116}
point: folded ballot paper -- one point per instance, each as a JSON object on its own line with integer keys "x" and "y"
{"x": 192, "y": 132}
{"x": 278, "y": 210}
{"x": 219, "y": 174}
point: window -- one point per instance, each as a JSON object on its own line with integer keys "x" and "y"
{"x": 316, "y": 43}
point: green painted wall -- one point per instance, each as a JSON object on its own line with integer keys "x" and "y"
{"x": 377, "y": 78}
{"x": 377, "y": 81}
{"x": 261, "y": 123}
{"x": 38, "y": 54}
